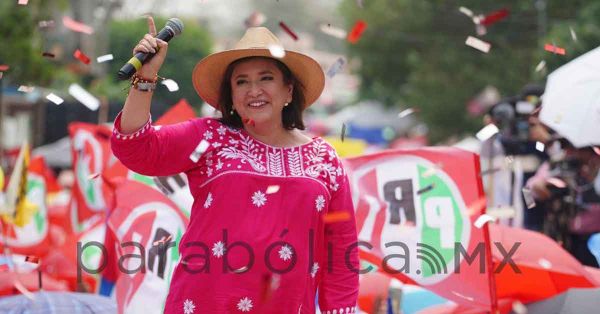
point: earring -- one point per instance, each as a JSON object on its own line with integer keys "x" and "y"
{"x": 232, "y": 112}
{"x": 286, "y": 104}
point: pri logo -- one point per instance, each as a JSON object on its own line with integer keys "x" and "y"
{"x": 34, "y": 232}
{"x": 411, "y": 215}
{"x": 90, "y": 161}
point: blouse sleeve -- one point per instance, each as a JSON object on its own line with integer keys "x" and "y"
{"x": 338, "y": 290}
{"x": 159, "y": 150}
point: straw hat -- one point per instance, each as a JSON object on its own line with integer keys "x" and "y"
{"x": 208, "y": 73}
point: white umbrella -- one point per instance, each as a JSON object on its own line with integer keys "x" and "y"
{"x": 571, "y": 102}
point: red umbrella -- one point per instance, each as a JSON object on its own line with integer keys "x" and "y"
{"x": 546, "y": 269}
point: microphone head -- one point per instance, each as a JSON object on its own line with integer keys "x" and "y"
{"x": 176, "y": 25}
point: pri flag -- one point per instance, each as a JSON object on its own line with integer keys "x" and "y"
{"x": 143, "y": 219}
{"x": 415, "y": 211}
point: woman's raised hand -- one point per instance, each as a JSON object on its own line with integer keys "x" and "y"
{"x": 150, "y": 44}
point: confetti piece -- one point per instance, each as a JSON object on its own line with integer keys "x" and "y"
{"x": 502, "y": 212}
{"x": 81, "y": 56}
{"x": 486, "y": 132}
{"x": 343, "y": 135}
{"x": 162, "y": 241}
{"x": 48, "y": 54}
{"x": 557, "y": 182}
{"x": 26, "y": 89}
{"x": 483, "y": 219}
{"x": 77, "y": 26}
{"x": 519, "y": 308}
{"x": 32, "y": 259}
{"x": 84, "y": 97}
{"x": 336, "y": 67}
{"x": 554, "y": 49}
{"x": 426, "y": 189}
{"x": 4, "y": 67}
{"x": 277, "y": 51}
{"x": 545, "y": 263}
{"x": 540, "y": 66}
{"x": 478, "y": 44}
{"x": 44, "y": 24}
{"x": 104, "y": 58}
{"x": 494, "y": 17}
{"x": 272, "y": 189}
{"x": 288, "y": 30}
{"x": 540, "y": 146}
{"x": 336, "y": 217}
{"x": 333, "y": 31}
{"x": 199, "y": 150}
{"x": 23, "y": 2}
{"x": 93, "y": 176}
{"x": 171, "y": 85}
{"x": 466, "y": 11}
{"x": 357, "y": 31}
{"x": 55, "y": 99}
{"x": 573, "y": 35}
{"x": 406, "y": 113}
{"x": 528, "y": 196}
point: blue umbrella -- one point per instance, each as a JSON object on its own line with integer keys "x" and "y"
{"x": 57, "y": 303}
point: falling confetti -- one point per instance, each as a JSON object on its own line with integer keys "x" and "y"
{"x": 333, "y": 31}
{"x": 48, "y": 54}
{"x": 540, "y": 66}
{"x": 23, "y": 2}
{"x": 494, "y": 17}
{"x": 343, "y": 135}
{"x": 77, "y": 26}
{"x": 486, "y": 132}
{"x": 32, "y": 259}
{"x": 502, "y": 212}
{"x": 519, "y": 308}
{"x": 55, "y": 99}
{"x": 4, "y": 67}
{"x": 466, "y": 11}
{"x": 199, "y": 150}
{"x": 573, "y": 35}
{"x": 540, "y": 146}
{"x": 84, "y": 97}
{"x": 272, "y": 189}
{"x": 357, "y": 31}
{"x": 93, "y": 176}
{"x": 336, "y": 217}
{"x": 26, "y": 89}
{"x": 288, "y": 30}
{"x": 426, "y": 189}
{"x": 528, "y": 196}
{"x": 170, "y": 84}
{"x": 45, "y": 24}
{"x": 554, "y": 49}
{"x": 405, "y": 113}
{"x": 336, "y": 67}
{"x": 81, "y": 56}
{"x": 483, "y": 219}
{"x": 104, "y": 58}
{"x": 478, "y": 44}
{"x": 277, "y": 51}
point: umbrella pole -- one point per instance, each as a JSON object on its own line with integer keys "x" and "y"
{"x": 40, "y": 279}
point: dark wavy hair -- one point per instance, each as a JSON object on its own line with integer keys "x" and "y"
{"x": 291, "y": 115}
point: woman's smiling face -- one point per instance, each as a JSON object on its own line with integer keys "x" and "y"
{"x": 258, "y": 91}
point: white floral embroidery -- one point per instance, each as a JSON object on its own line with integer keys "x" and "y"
{"x": 245, "y": 305}
{"x": 216, "y": 144}
{"x": 219, "y": 164}
{"x": 320, "y": 203}
{"x": 246, "y": 153}
{"x": 315, "y": 268}
{"x": 221, "y": 130}
{"x": 259, "y": 199}
{"x": 218, "y": 249}
{"x": 208, "y": 201}
{"x": 208, "y": 135}
{"x": 285, "y": 253}
{"x": 188, "y": 306}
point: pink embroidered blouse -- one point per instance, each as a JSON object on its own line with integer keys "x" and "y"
{"x": 268, "y": 227}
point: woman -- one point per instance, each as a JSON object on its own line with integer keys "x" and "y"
{"x": 257, "y": 241}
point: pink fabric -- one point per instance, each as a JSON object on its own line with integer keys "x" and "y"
{"x": 271, "y": 199}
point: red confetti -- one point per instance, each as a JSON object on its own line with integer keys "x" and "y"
{"x": 356, "y": 32}
{"x": 32, "y": 259}
{"x": 48, "y": 54}
{"x": 81, "y": 56}
{"x": 4, "y": 67}
{"x": 554, "y": 49}
{"x": 494, "y": 17}
{"x": 288, "y": 30}
{"x": 336, "y": 217}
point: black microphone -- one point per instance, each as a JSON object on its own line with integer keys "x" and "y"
{"x": 173, "y": 28}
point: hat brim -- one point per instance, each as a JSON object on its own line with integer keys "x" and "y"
{"x": 208, "y": 72}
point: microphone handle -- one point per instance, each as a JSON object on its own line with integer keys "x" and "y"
{"x": 135, "y": 63}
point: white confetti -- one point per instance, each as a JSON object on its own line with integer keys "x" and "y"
{"x": 200, "y": 149}
{"x": 502, "y": 212}
{"x": 23, "y": 2}
{"x": 336, "y": 67}
{"x": 84, "y": 97}
{"x": 573, "y": 35}
{"x": 104, "y": 58}
{"x": 26, "y": 89}
{"x": 171, "y": 85}
{"x": 55, "y": 99}
{"x": 529, "y": 200}
{"x": 519, "y": 308}
{"x": 466, "y": 11}
{"x": 478, "y": 44}
{"x": 483, "y": 219}
{"x": 333, "y": 31}
{"x": 540, "y": 66}
{"x": 272, "y": 189}
{"x": 406, "y": 113}
{"x": 540, "y": 146}
{"x": 276, "y": 51}
{"x": 486, "y": 132}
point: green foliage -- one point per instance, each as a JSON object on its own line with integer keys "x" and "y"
{"x": 185, "y": 51}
